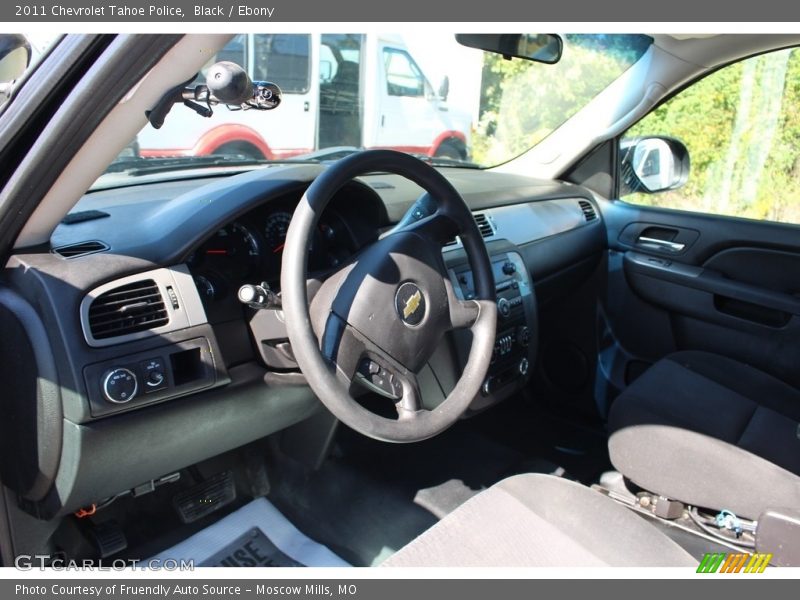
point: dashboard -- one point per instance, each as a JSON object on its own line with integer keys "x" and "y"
{"x": 143, "y": 361}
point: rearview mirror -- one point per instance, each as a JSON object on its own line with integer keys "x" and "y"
{"x": 653, "y": 164}
{"x": 539, "y": 47}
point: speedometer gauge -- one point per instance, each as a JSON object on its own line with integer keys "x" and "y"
{"x": 275, "y": 229}
{"x": 233, "y": 252}
{"x": 276, "y": 225}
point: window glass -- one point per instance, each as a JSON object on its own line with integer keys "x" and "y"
{"x": 283, "y": 59}
{"x": 403, "y": 77}
{"x": 741, "y": 125}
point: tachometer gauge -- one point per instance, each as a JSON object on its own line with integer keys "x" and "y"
{"x": 275, "y": 229}
{"x": 233, "y": 252}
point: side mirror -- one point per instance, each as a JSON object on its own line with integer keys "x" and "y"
{"x": 15, "y": 56}
{"x": 653, "y": 164}
{"x": 444, "y": 88}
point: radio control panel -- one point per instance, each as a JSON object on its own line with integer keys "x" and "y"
{"x": 515, "y": 341}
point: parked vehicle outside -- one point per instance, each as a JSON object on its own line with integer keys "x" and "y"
{"x": 361, "y": 91}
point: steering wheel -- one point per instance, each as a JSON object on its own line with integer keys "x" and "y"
{"x": 380, "y": 317}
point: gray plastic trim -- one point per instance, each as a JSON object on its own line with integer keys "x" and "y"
{"x": 521, "y": 224}
{"x": 190, "y": 311}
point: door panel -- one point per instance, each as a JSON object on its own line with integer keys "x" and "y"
{"x": 733, "y": 289}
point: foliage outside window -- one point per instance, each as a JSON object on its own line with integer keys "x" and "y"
{"x": 524, "y": 102}
{"x": 741, "y": 126}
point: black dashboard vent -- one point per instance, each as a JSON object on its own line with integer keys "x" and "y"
{"x": 80, "y": 249}
{"x": 127, "y": 309}
{"x": 484, "y": 226}
{"x": 588, "y": 210}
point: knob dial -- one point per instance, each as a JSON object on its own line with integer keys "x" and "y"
{"x": 523, "y": 367}
{"x": 154, "y": 378}
{"x": 509, "y": 268}
{"x": 523, "y": 336}
{"x": 504, "y": 307}
{"x": 120, "y": 385}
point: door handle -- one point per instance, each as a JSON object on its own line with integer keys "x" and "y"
{"x": 660, "y": 244}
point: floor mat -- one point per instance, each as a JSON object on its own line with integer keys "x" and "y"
{"x": 256, "y": 535}
{"x": 371, "y": 498}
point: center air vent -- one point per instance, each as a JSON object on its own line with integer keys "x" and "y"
{"x": 80, "y": 249}
{"x": 588, "y": 210}
{"x": 484, "y": 226}
{"x": 130, "y": 308}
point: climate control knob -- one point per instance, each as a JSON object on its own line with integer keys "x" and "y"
{"x": 120, "y": 385}
{"x": 523, "y": 336}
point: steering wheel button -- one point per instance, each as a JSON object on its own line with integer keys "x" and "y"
{"x": 397, "y": 388}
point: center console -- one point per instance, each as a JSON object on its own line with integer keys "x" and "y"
{"x": 515, "y": 341}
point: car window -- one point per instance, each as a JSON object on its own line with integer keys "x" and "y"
{"x": 340, "y": 92}
{"x": 284, "y": 58}
{"x": 741, "y": 126}
{"x": 403, "y": 77}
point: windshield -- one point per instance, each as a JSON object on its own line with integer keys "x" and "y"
{"x": 425, "y": 95}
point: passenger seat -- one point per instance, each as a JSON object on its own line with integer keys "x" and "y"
{"x": 711, "y": 432}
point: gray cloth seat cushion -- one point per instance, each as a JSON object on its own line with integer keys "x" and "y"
{"x": 538, "y": 520}
{"x": 710, "y": 431}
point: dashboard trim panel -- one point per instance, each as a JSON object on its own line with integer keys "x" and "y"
{"x": 190, "y": 311}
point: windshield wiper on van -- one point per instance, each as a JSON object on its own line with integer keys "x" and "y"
{"x": 141, "y": 165}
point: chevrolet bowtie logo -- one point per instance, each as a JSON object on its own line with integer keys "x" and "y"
{"x": 412, "y": 304}
{"x": 409, "y": 302}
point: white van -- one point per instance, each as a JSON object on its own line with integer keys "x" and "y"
{"x": 351, "y": 90}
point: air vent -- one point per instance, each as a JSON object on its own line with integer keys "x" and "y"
{"x": 588, "y": 210}
{"x": 127, "y": 309}
{"x": 80, "y": 249}
{"x": 484, "y": 226}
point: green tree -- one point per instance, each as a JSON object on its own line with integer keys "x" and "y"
{"x": 522, "y": 102}
{"x": 741, "y": 125}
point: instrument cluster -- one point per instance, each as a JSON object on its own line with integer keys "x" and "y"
{"x": 250, "y": 250}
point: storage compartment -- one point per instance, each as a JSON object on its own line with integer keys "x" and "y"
{"x": 751, "y": 312}
{"x": 187, "y": 366}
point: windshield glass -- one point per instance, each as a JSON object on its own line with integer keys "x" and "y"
{"x": 428, "y": 96}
